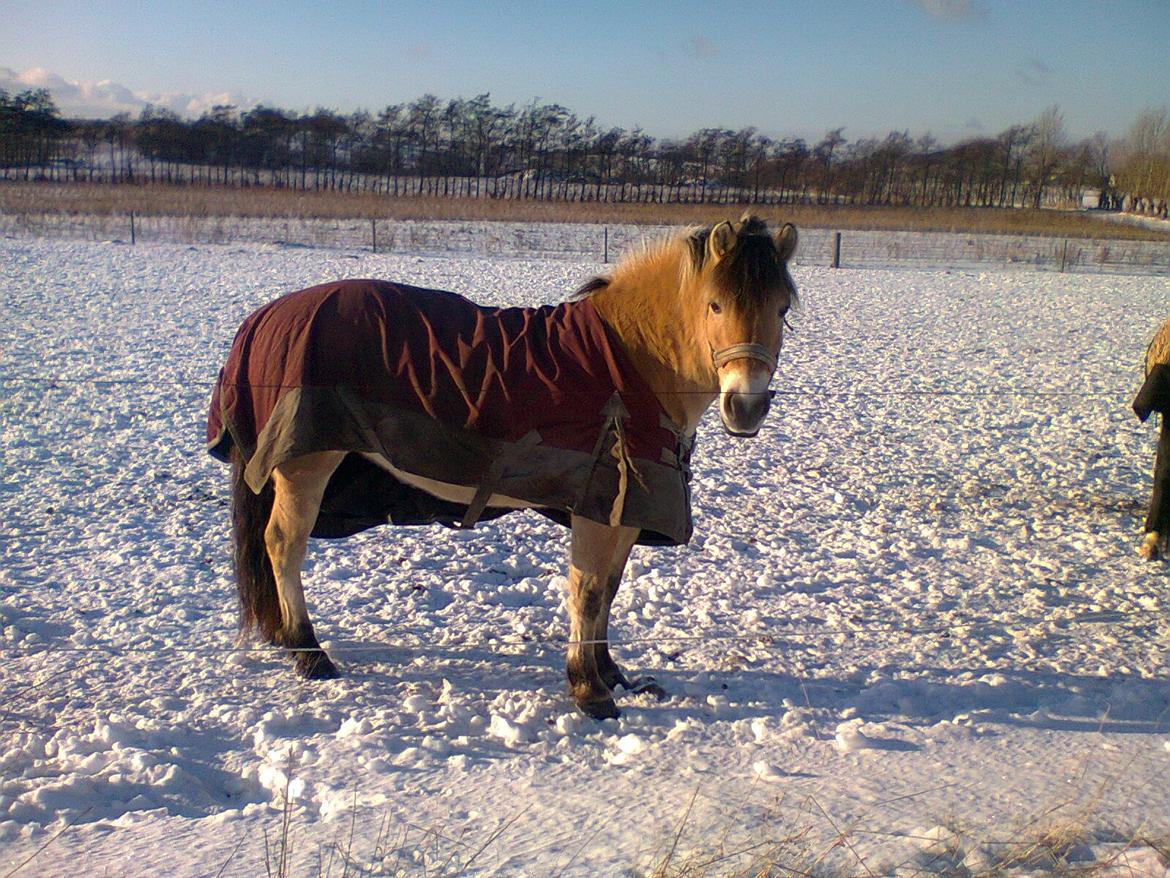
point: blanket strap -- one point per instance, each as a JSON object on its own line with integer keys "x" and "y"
{"x": 680, "y": 457}
{"x": 487, "y": 487}
{"x": 616, "y": 413}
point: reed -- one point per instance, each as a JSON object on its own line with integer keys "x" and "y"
{"x": 104, "y": 199}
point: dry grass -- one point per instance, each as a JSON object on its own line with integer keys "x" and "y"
{"x": 1056, "y": 843}
{"x": 37, "y": 198}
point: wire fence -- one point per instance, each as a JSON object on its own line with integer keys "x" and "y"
{"x": 206, "y": 385}
{"x": 600, "y": 243}
{"x": 764, "y": 639}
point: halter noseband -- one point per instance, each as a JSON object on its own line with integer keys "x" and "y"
{"x": 746, "y": 351}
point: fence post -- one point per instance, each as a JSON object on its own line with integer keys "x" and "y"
{"x": 374, "y": 235}
{"x": 605, "y": 246}
{"x": 133, "y": 235}
{"x": 1063, "y": 255}
{"x": 836, "y": 250}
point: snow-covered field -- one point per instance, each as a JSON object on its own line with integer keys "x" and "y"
{"x": 911, "y": 634}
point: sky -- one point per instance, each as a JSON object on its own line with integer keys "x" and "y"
{"x": 951, "y": 68}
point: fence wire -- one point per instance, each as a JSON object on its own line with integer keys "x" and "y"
{"x": 601, "y": 243}
{"x": 206, "y": 385}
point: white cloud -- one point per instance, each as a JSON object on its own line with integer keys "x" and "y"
{"x": 100, "y": 100}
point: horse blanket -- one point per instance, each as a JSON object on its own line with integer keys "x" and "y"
{"x": 538, "y": 404}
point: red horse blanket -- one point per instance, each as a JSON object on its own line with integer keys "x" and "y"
{"x": 539, "y": 404}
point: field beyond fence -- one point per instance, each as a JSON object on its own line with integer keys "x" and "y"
{"x": 599, "y": 243}
{"x": 848, "y": 237}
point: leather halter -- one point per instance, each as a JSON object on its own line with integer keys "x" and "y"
{"x": 746, "y": 351}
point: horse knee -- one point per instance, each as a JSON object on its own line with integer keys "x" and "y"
{"x": 286, "y": 545}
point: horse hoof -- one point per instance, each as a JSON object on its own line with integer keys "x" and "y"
{"x": 646, "y": 686}
{"x": 599, "y": 709}
{"x": 316, "y": 666}
{"x": 1150, "y": 549}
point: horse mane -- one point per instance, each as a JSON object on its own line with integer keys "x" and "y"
{"x": 591, "y": 286}
{"x": 1158, "y": 350}
{"x": 650, "y": 255}
{"x": 750, "y": 268}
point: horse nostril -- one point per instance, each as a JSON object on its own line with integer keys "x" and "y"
{"x": 746, "y": 409}
{"x": 736, "y": 408}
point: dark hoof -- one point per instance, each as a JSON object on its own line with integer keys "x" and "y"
{"x": 316, "y": 665}
{"x": 599, "y": 709}
{"x": 614, "y": 679}
{"x": 645, "y": 686}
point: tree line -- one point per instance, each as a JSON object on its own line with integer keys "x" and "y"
{"x": 473, "y": 148}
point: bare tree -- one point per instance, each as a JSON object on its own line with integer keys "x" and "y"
{"x": 1048, "y": 142}
{"x": 545, "y": 151}
{"x": 824, "y": 153}
{"x": 1144, "y": 171}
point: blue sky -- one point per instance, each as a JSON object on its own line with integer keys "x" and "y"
{"x": 954, "y": 68}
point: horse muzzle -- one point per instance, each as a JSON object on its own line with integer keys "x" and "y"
{"x": 743, "y": 386}
{"x": 743, "y": 413}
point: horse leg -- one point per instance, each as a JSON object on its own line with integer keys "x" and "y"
{"x": 607, "y": 668}
{"x": 1158, "y": 520}
{"x": 596, "y": 550}
{"x": 299, "y": 486}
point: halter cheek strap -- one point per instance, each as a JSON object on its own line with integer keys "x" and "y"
{"x": 743, "y": 352}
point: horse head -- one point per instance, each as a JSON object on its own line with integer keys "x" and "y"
{"x": 745, "y": 290}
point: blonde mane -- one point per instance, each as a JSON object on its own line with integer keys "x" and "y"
{"x": 650, "y": 256}
{"x": 648, "y": 302}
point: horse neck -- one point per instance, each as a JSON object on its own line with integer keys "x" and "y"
{"x": 648, "y": 313}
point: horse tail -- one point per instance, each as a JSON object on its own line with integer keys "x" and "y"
{"x": 255, "y": 580}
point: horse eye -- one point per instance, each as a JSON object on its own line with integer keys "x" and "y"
{"x": 715, "y": 309}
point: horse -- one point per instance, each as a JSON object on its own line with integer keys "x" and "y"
{"x": 1154, "y": 396}
{"x": 360, "y": 403}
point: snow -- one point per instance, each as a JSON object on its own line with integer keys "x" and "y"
{"x": 912, "y": 626}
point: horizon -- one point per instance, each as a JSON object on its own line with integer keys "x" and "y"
{"x": 870, "y": 69}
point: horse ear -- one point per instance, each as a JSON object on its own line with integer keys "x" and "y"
{"x": 786, "y": 241}
{"x": 721, "y": 240}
